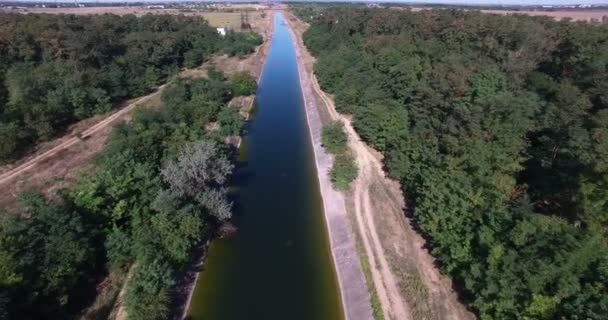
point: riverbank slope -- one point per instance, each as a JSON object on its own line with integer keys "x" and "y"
{"x": 404, "y": 276}
{"x": 353, "y": 288}
{"x": 254, "y": 64}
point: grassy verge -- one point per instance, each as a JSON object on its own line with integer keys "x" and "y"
{"x": 410, "y": 282}
{"x": 375, "y": 303}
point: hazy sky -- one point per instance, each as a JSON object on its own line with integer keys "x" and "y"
{"x": 471, "y": 2}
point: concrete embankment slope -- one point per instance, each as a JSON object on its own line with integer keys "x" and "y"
{"x": 353, "y": 288}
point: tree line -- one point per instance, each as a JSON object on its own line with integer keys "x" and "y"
{"x": 158, "y": 190}
{"x": 58, "y": 69}
{"x": 497, "y": 128}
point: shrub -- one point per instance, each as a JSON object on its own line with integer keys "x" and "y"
{"x": 243, "y": 84}
{"x": 334, "y": 138}
{"x": 147, "y": 294}
{"x": 344, "y": 171}
{"x": 230, "y": 121}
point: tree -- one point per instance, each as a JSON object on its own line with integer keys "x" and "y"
{"x": 200, "y": 172}
{"x": 343, "y": 171}
{"x": 147, "y": 295}
{"x": 46, "y": 85}
{"x": 334, "y": 138}
{"x": 10, "y": 140}
{"x": 49, "y": 251}
{"x": 243, "y": 84}
{"x": 498, "y": 136}
{"x": 179, "y": 226}
{"x": 230, "y": 121}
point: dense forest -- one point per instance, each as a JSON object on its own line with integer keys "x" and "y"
{"x": 57, "y": 69}
{"x": 497, "y": 128}
{"x": 157, "y": 192}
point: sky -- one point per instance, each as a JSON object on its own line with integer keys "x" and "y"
{"x": 466, "y": 2}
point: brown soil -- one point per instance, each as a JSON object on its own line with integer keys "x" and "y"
{"x": 407, "y": 283}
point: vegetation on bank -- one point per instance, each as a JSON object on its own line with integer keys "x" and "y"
{"x": 344, "y": 169}
{"x": 58, "y": 69}
{"x": 497, "y": 128}
{"x": 158, "y": 190}
{"x": 243, "y": 83}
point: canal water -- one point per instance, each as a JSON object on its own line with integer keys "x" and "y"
{"x": 278, "y": 265}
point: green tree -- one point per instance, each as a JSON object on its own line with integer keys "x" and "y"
{"x": 200, "y": 172}
{"x": 343, "y": 171}
{"x": 243, "y": 84}
{"x": 147, "y": 295}
{"x": 334, "y": 138}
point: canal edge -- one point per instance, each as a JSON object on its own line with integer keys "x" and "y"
{"x": 354, "y": 293}
{"x": 263, "y": 49}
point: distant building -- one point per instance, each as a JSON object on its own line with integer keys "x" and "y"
{"x": 156, "y": 6}
{"x": 221, "y": 31}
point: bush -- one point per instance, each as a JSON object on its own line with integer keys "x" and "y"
{"x": 238, "y": 44}
{"x": 243, "y": 84}
{"x": 193, "y": 58}
{"x": 9, "y": 140}
{"x": 147, "y": 294}
{"x": 344, "y": 171}
{"x": 334, "y": 138}
{"x": 198, "y": 171}
{"x": 230, "y": 121}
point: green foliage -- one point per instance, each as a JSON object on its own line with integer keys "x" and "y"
{"x": 334, "y": 138}
{"x": 499, "y": 137}
{"x": 118, "y": 250}
{"x": 10, "y": 140}
{"x": 147, "y": 295}
{"x": 231, "y": 122}
{"x": 57, "y": 69}
{"x": 241, "y": 43}
{"x": 344, "y": 169}
{"x": 158, "y": 190}
{"x": 198, "y": 171}
{"x": 47, "y": 254}
{"x": 343, "y": 172}
{"x": 243, "y": 84}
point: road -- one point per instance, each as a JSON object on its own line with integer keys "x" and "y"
{"x": 99, "y": 126}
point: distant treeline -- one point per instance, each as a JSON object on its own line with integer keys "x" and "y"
{"x": 57, "y": 69}
{"x": 497, "y": 128}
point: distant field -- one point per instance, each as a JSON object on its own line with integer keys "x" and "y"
{"x": 572, "y": 14}
{"x": 583, "y": 15}
{"x": 215, "y": 18}
{"x": 230, "y": 19}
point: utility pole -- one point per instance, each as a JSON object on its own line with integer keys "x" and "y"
{"x": 245, "y": 21}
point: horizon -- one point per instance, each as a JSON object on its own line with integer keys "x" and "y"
{"x": 414, "y": 2}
